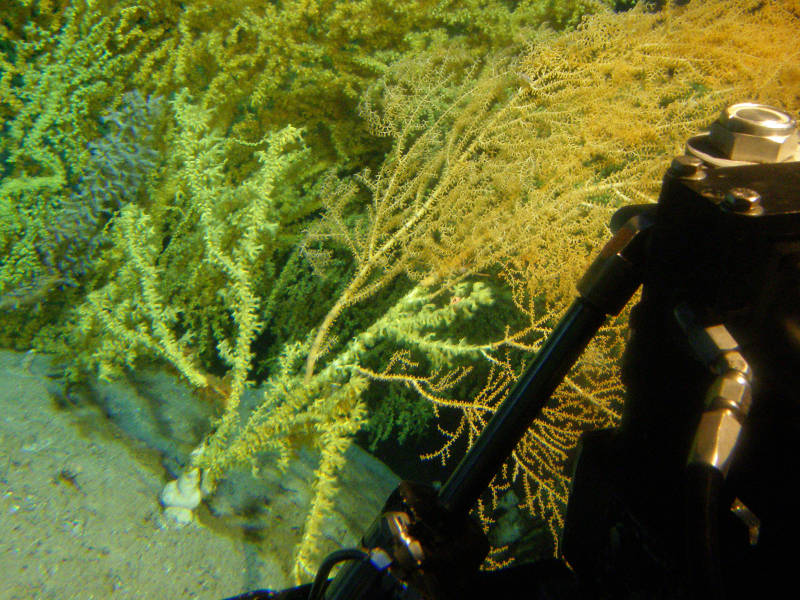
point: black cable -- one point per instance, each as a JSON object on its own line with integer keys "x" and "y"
{"x": 703, "y": 491}
{"x": 318, "y": 587}
{"x": 524, "y": 403}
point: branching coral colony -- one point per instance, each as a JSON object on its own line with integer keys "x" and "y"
{"x": 437, "y": 149}
{"x": 190, "y": 270}
{"x": 498, "y": 186}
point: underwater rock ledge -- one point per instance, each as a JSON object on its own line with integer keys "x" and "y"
{"x": 80, "y": 480}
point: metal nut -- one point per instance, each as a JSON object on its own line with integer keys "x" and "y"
{"x": 755, "y": 133}
{"x": 733, "y": 361}
{"x": 731, "y": 391}
{"x": 715, "y": 440}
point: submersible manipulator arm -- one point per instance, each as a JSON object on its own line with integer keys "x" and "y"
{"x": 425, "y": 528}
{"x": 710, "y": 382}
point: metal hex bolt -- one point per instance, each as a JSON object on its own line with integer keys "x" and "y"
{"x": 742, "y": 199}
{"x": 687, "y": 167}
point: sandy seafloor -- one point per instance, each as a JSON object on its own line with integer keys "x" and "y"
{"x": 79, "y": 509}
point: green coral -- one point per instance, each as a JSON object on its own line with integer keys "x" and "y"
{"x": 63, "y": 67}
{"x": 265, "y": 64}
{"x": 194, "y": 265}
{"x": 259, "y": 66}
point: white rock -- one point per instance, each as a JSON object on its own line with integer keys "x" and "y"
{"x": 179, "y": 516}
{"x": 183, "y": 492}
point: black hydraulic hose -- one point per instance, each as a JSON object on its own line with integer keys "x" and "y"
{"x": 318, "y": 587}
{"x": 604, "y": 289}
{"x": 476, "y": 470}
{"x": 703, "y": 490}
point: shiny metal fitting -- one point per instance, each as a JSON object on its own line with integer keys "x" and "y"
{"x": 399, "y": 524}
{"x": 687, "y": 167}
{"x": 715, "y": 439}
{"x": 708, "y": 343}
{"x": 748, "y": 133}
{"x": 733, "y": 360}
{"x": 749, "y": 519}
{"x": 755, "y": 133}
{"x": 740, "y": 199}
{"x": 731, "y": 391}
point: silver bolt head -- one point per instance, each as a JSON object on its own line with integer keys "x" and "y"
{"x": 687, "y": 167}
{"x": 741, "y": 199}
